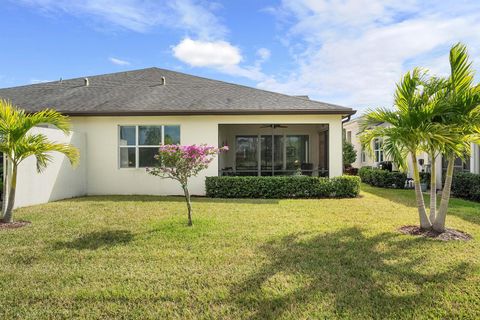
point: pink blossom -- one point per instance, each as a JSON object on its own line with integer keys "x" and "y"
{"x": 181, "y": 162}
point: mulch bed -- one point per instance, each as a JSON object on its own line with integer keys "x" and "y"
{"x": 14, "y": 225}
{"x": 449, "y": 234}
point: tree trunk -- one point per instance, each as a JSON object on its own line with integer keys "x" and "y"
{"x": 189, "y": 205}
{"x": 6, "y": 171}
{"x": 424, "y": 221}
{"x": 8, "y": 217}
{"x": 433, "y": 189}
{"x": 439, "y": 223}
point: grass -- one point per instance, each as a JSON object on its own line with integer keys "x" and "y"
{"x": 132, "y": 257}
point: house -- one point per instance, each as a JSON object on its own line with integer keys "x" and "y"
{"x": 119, "y": 119}
{"x": 352, "y": 135}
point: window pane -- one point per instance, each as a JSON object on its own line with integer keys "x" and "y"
{"x": 127, "y": 158}
{"x": 146, "y": 157}
{"x": 127, "y": 136}
{"x": 296, "y": 149}
{"x": 246, "y": 153}
{"x": 172, "y": 135}
{"x": 150, "y": 135}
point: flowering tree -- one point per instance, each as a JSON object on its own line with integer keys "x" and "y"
{"x": 182, "y": 162}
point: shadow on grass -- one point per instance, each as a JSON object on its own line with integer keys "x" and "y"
{"x": 464, "y": 209}
{"x": 141, "y": 198}
{"x": 97, "y": 240}
{"x": 350, "y": 275}
{"x": 176, "y": 228}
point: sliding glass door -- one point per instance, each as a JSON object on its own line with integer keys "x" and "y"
{"x": 246, "y": 157}
{"x": 269, "y": 155}
{"x": 296, "y": 152}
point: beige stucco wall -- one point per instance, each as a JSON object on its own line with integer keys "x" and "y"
{"x": 59, "y": 180}
{"x": 353, "y": 127}
{"x": 105, "y": 177}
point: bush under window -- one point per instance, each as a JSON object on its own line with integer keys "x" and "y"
{"x": 282, "y": 187}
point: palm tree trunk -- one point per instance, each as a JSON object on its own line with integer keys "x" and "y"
{"x": 433, "y": 188}
{"x": 6, "y": 172}
{"x": 439, "y": 223}
{"x": 424, "y": 221}
{"x": 8, "y": 217}
{"x": 189, "y": 204}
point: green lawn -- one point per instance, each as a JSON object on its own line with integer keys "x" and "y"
{"x": 132, "y": 257}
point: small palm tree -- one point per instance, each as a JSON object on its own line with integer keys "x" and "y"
{"x": 17, "y": 144}
{"x": 461, "y": 99}
{"x": 409, "y": 128}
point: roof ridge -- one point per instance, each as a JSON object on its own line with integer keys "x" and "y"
{"x": 248, "y": 87}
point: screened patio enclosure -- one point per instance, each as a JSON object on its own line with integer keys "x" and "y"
{"x": 274, "y": 149}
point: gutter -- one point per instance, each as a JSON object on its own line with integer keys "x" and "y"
{"x": 345, "y": 113}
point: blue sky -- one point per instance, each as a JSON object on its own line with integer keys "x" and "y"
{"x": 349, "y": 52}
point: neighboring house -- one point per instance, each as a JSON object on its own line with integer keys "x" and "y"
{"x": 352, "y": 134}
{"x": 119, "y": 120}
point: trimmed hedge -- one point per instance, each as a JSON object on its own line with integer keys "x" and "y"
{"x": 382, "y": 178}
{"x": 282, "y": 187}
{"x": 466, "y": 185}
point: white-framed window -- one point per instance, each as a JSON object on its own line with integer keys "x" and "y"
{"x": 349, "y": 136}
{"x": 378, "y": 150}
{"x": 363, "y": 155}
{"x": 139, "y": 144}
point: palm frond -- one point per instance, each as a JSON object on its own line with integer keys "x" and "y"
{"x": 462, "y": 74}
{"x": 376, "y": 117}
{"x": 40, "y": 147}
{"x": 48, "y": 116}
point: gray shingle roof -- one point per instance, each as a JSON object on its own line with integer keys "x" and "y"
{"x": 141, "y": 92}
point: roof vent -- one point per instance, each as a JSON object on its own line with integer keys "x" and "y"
{"x": 87, "y": 83}
{"x": 164, "y": 81}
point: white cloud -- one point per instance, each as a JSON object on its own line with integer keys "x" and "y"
{"x": 119, "y": 62}
{"x": 352, "y": 52}
{"x": 249, "y": 72}
{"x": 264, "y": 54}
{"x": 198, "y": 19}
{"x": 140, "y": 15}
{"x": 219, "y": 55}
{"x": 199, "y": 53}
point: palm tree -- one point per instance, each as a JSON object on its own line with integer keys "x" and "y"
{"x": 409, "y": 127}
{"x": 433, "y": 98}
{"x": 462, "y": 105}
{"x": 17, "y": 144}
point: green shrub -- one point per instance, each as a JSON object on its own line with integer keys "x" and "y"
{"x": 349, "y": 153}
{"x": 466, "y": 185}
{"x": 382, "y": 178}
{"x": 282, "y": 187}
